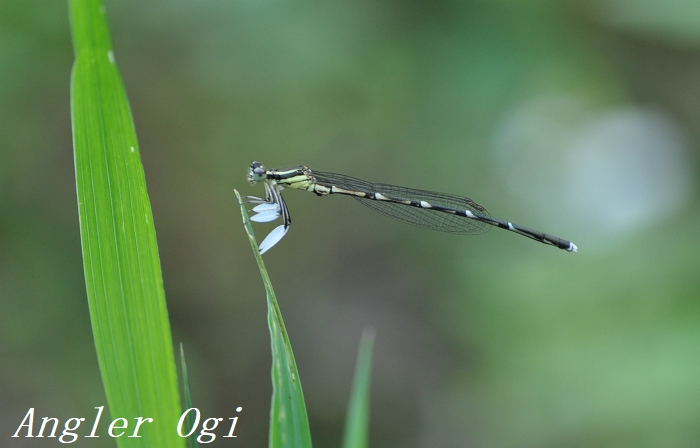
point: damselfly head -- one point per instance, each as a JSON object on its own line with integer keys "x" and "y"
{"x": 256, "y": 173}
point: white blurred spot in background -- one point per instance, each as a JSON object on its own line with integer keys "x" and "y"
{"x": 603, "y": 174}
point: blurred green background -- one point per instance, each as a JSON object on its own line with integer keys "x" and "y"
{"x": 579, "y": 118}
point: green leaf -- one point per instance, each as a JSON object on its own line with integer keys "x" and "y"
{"x": 289, "y": 424}
{"x": 189, "y": 420}
{"x": 120, "y": 256}
{"x": 357, "y": 419}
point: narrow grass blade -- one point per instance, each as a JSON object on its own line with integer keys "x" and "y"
{"x": 357, "y": 419}
{"x": 189, "y": 420}
{"x": 289, "y": 424}
{"x": 120, "y": 256}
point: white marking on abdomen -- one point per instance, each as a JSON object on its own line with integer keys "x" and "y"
{"x": 510, "y": 226}
{"x": 380, "y": 197}
{"x": 425, "y": 204}
{"x": 469, "y": 214}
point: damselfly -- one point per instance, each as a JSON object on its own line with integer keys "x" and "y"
{"x": 436, "y": 211}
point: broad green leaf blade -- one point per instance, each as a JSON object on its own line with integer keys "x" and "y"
{"x": 289, "y": 424}
{"x": 120, "y": 256}
{"x": 357, "y": 419}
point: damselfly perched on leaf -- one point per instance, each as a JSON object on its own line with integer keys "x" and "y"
{"x": 436, "y": 211}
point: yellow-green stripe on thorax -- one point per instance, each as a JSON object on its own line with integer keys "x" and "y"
{"x": 300, "y": 179}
